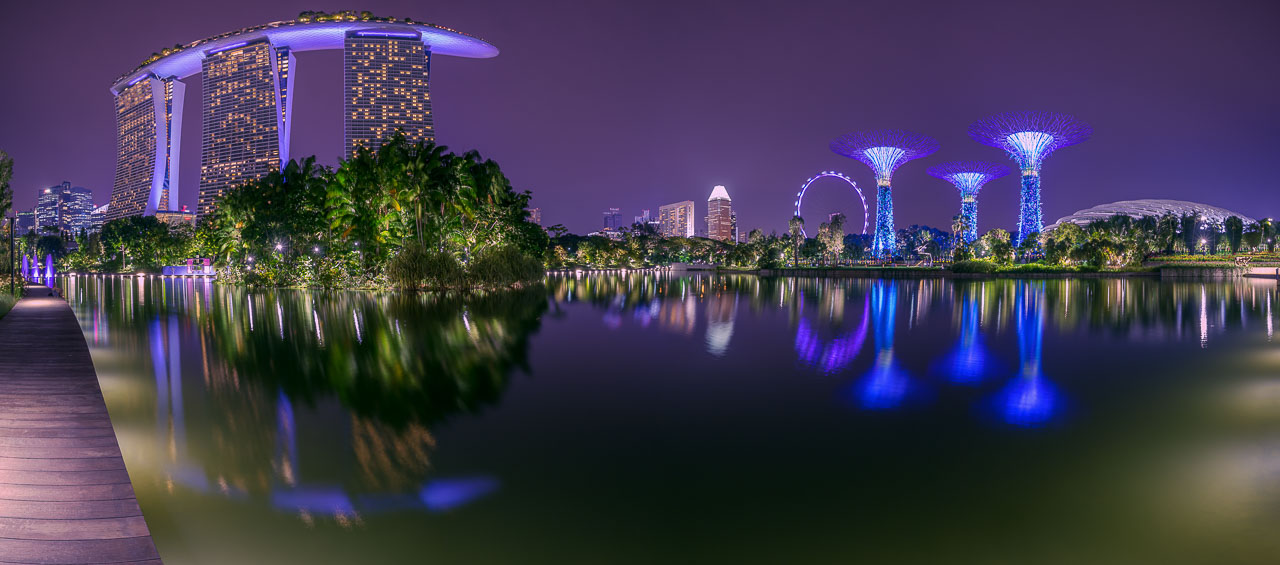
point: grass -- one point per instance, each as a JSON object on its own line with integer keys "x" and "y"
{"x": 6, "y": 302}
{"x": 989, "y": 267}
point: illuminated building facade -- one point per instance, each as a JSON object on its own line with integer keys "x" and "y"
{"x": 248, "y": 88}
{"x": 721, "y": 223}
{"x": 535, "y": 215}
{"x": 47, "y": 205}
{"x": 245, "y": 117}
{"x": 386, "y": 88}
{"x": 148, "y": 145}
{"x": 676, "y": 220}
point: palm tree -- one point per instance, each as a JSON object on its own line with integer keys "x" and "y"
{"x": 796, "y": 227}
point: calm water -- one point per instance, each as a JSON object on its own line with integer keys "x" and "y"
{"x": 647, "y": 419}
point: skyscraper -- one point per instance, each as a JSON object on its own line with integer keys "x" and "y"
{"x": 64, "y": 208}
{"x": 98, "y": 217}
{"x": 148, "y": 145}
{"x": 386, "y": 87}
{"x": 720, "y": 220}
{"x": 47, "y": 201}
{"x": 535, "y": 215}
{"x": 246, "y": 118}
{"x": 611, "y": 218}
{"x": 75, "y": 210}
{"x": 676, "y": 220}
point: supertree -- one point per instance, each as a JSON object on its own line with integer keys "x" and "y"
{"x": 884, "y": 150}
{"x": 1029, "y": 137}
{"x": 969, "y": 177}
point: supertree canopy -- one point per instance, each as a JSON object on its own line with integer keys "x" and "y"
{"x": 884, "y": 150}
{"x": 969, "y": 177}
{"x": 1029, "y": 137}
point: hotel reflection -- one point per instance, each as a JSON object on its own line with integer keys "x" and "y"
{"x": 223, "y": 429}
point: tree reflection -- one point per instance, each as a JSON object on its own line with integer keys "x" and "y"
{"x": 397, "y": 359}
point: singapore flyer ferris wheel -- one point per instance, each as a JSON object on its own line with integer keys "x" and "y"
{"x": 841, "y": 176}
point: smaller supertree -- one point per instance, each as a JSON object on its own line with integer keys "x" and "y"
{"x": 884, "y": 150}
{"x": 969, "y": 177}
{"x": 1029, "y": 137}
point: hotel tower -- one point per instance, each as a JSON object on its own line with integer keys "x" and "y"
{"x": 249, "y": 84}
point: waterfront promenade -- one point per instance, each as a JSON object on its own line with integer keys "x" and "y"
{"x": 65, "y": 495}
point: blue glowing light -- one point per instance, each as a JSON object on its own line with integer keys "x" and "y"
{"x": 885, "y": 243}
{"x": 884, "y": 151}
{"x": 1030, "y": 216}
{"x": 1030, "y": 146}
{"x": 886, "y": 385}
{"x": 1029, "y": 400}
{"x": 968, "y": 363}
{"x": 1029, "y": 138}
{"x": 969, "y": 177}
{"x": 884, "y": 160}
{"x": 443, "y": 495}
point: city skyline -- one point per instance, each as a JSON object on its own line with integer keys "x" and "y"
{"x": 1150, "y": 86}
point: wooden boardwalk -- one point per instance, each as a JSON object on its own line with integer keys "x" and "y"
{"x": 65, "y": 496}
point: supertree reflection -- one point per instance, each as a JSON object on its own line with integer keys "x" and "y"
{"x": 1029, "y": 400}
{"x": 968, "y": 362}
{"x": 886, "y": 385}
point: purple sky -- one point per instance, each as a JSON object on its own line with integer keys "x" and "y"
{"x": 632, "y": 105}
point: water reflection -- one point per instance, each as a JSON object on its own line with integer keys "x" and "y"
{"x": 398, "y": 365}
{"x": 831, "y": 319}
{"x": 1029, "y": 400}
{"x": 282, "y": 426}
{"x": 885, "y": 385}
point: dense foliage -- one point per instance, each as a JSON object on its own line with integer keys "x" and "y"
{"x": 412, "y": 215}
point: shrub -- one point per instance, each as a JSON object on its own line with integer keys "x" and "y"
{"x": 503, "y": 266}
{"x": 973, "y": 267}
{"x": 417, "y": 267}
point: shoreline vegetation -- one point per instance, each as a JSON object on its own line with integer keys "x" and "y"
{"x": 414, "y": 216}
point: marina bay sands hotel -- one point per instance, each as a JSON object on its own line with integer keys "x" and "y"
{"x": 249, "y": 79}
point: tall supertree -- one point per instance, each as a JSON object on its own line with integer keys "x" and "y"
{"x": 1029, "y": 137}
{"x": 969, "y": 177}
{"x": 884, "y": 150}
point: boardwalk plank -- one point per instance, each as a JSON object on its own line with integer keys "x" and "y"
{"x": 65, "y": 495}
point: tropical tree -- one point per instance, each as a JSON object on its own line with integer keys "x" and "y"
{"x": 796, "y": 228}
{"x": 1235, "y": 233}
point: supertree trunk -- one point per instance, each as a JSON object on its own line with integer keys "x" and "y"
{"x": 969, "y": 212}
{"x": 1029, "y": 217}
{"x": 884, "y": 245}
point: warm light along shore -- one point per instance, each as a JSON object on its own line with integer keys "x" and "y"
{"x": 65, "y": 496}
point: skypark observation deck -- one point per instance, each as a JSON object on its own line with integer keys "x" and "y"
{"x": 304, "y": 36}
{"x": 248, "y": 89}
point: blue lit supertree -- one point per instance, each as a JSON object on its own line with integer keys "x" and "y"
{"x": 884, "y": 150}
{"x": 1029, "y": 137}
{"x": 968, "y": 176}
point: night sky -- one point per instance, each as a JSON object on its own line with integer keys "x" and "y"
{"x": 633, "y": 104}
